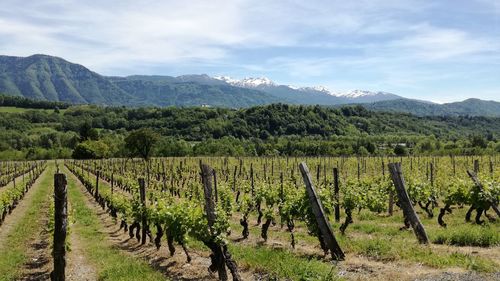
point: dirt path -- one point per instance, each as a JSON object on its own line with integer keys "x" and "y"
{"x": 78, "y": 268}
{"x": 39, "y": 263}
{"x": 174, "y": 267}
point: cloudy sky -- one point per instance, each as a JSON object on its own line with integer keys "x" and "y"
{"x": 436, "y": 50}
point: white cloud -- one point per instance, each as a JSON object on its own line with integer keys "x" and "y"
{"x": 381, "y": 44}
{"x": 431, "y": 43}
{"x": 124, "y": 31}
{"x": 99, "y": 33}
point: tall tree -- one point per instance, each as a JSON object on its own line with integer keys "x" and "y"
{"x": 141, "y": 142}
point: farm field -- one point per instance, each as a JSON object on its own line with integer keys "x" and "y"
{"x": 250, "y": 140}
{"x": 10, "y": 109}
{"x": 263, "y": 216}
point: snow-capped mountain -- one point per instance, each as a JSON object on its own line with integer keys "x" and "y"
{"x": 361, "y": 93}
{"x": 308, "y": 94}
{"x": 250, "y": 82}
{"x": 362, "y": 96}
{"x": 321, "y": 89}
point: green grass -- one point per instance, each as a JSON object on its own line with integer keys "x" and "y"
{"x": 111, "y": 263}
{"x": 280, "y": 263}
{"x": 277, "y": 264}
{"x": 379, "y": 238}
{"x": 11, "y": 109}
{"x": 13, "y": 254}
{"x": 468, "y": 235}
{"x": 389, "y": 249}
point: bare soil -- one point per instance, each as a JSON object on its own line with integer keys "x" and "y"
{"x": 78, "y": 268}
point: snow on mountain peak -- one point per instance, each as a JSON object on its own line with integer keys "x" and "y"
{"x": 227, "y": 79}
{"x": 321, "y": 89}
{"x": 256, "y": 82}
{"x": 251, "y": 82}
{"x": 362, "y": 93}
{"x": 357, "y": 94}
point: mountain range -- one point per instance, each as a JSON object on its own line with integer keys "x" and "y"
{"x": 308, "y": 95}
{"x": 43, "y": 77}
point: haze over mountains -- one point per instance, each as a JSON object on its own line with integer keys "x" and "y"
{"x": 44, "y": 77}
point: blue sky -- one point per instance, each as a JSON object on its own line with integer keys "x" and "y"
{"x": 434, "y": 50}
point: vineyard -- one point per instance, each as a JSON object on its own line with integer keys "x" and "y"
{"x": 266, "y": 218}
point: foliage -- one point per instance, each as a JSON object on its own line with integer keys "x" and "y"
{"x": 277, "y": 129}
{"x": 141, "y": 142}
{"x": 91, "y": 150}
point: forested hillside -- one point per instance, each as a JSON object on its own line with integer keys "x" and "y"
{"x": 50, "y": 78}
{"x": 54, "y": 79}
{"x": 277, "y": 129}
{"x": 472, "y": 107}
{"x": 47, "y": 78}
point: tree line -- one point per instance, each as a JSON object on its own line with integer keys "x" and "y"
{"x": 278, "y": 129}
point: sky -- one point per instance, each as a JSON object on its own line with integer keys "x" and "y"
{"x": 442, "y": 51}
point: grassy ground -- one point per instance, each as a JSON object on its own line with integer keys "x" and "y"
{"x": 279, "y": 263}
{"x": 13, "y": 256}
{"x": 10, "y": 109}
{"x": 378, "y": 237}
{"x": 110, "y": 262}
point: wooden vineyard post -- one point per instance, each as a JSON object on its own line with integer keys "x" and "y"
{"x": 473, "y": 177}
{"x": 318, "y": 172}
{"x": 60, "y": 224}
{"x": 319, "y": 213}
{"x": 96, "y": 184}
{"x": 216, "y": 194}
{"x": 325, "y": 184}
{"x": 282, "y": 195}
{"x": 220, "y": 254}
{"x": 251, "y": 178}
{"x": 491, "y": 167}
{"x": 234, "y": 178}
{"x": 476, "y": 166}
{"x": 359, "y": 172}
{"x": 454, "y": 165}
{"x": 336, "y": 193}
{"x": 112, "y": 182}
{"x": 404, "y": 201}
{"x": 142, "y": 194}
{"x": 432, "y": 174}
{"x": 390, "y": 209}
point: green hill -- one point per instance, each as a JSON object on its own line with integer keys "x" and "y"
{"x": 49, "y": 78}
{"x": 42, "y": 77}
{"x": 470, "y": 107}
